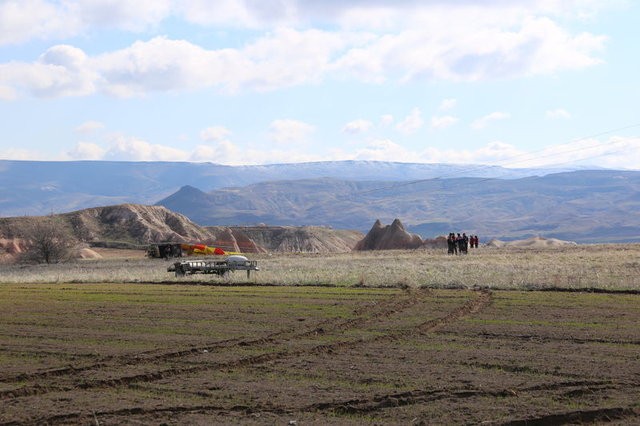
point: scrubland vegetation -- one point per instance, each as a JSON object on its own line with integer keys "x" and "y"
{"x": 609, "y": 267}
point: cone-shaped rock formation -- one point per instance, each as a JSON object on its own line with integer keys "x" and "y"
{"x": 390, "y": 237}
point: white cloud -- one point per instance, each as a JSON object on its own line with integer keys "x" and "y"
{"x": 384, "y": 150}
{"x": 222, "y": 152}
{"x": 388, "y": 150}
{"x": 22, "y": 154}
{"x": 616, "y": 152}
{"x": 496, "y": 153}
{"x": 89, "y": 127}
{"x": 238, "y": 13}
{"x": 7, "y": 93}
{"x": 122, "y": 14}
{"x": 447, "y": 104}
{"x": 159, "y": 65}
{"x": 482, "y": 122}
{"x": 472, "y": 46}
{"x": 61, "y": 71}
{"x": 444, "y": 121}
{"x": 87, "y": 151}
{"x": 412, "y": 123}
{"x": 557, "y": 114}
{"x": 559, "y": 51}
{"x": 288, "y": 58}
{"x": 125, "y": 148}
{"x": 290, "y": 131}
{"x": 386, "y": 120}
{"x": 423, "y": 41}
{"x": 23, "y": 20}
{"x": 215, "y": 133}
{"x": 357, "y": 126}
{"x": 282, "y": 59}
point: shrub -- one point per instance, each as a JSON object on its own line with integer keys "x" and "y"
{"x": 49, "y": 240}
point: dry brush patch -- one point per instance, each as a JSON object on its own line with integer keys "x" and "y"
{"x": 606, "y": 267}
{"x": 141, "y": 353}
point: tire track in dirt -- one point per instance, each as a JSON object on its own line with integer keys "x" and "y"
{"x": 384, "y": 308}
{"x": 482, "y": 299}
{"x": 350, "y": 407}
{"x": 286, "y": 353}
{"x": 93, "y": 417}
{"x": 524, "y": 369}
{"x": 368, "y": 406}
{"x": 381, "y": 309}
{"x": 400, "y": 399}
{"x": 105, "y": 362}
{"x": 380, "y": 402}
{"x": 365, "y": 406}
{"x": 538, "y": 338}
{"x": 411, "y": 297}
{"x": 471, "y": 307}
{"x": 599, "y": 415}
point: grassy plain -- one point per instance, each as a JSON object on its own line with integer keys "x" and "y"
{"x": 610, "y": 267}
{"x": 379, "y": 338}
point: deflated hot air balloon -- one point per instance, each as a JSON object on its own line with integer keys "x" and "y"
{"x": 202, "y": 249}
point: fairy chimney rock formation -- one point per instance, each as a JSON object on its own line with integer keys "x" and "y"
{"x": 390, "y": 237}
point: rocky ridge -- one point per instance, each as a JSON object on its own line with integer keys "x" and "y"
{"x": 308, "y": 239}
{"x": 134, "y": 225}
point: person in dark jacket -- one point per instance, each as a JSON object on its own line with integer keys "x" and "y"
{"x": 451, "y": 243}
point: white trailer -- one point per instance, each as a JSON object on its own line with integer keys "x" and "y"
{"x": 218, "y": 267}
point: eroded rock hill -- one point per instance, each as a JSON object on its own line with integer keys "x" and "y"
{"x": 129, "y": 225}
{"x": 133, "y": 223}
{"x": 308, "y": 239}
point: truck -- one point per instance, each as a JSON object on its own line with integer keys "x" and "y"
{"x": 217, "y": 267}
{"x": 164, "y": 250}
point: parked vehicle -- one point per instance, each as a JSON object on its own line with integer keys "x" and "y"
{"x": 218, "y": 267}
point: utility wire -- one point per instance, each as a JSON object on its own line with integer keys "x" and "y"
{"x": 520, "y": 159}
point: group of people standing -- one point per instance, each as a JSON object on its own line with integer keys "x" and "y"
{"x": 461, "y": 243}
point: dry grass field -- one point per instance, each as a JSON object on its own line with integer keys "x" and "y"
{"x": 606, "y": 267}
{"x": 370, "y": 338}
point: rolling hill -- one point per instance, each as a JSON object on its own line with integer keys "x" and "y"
{"x": 584, "y": 206}
{"x": 44, "y": 187}
{"x": 430, "y": 199}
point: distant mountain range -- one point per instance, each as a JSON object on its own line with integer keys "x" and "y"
{"x": 582, "y": 206}
{"x": 430, "y": 199}
{"x": 43, "y": 187}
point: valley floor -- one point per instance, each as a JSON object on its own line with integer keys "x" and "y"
{"x": 604, "y": 267}
{"x": 190, "y": 354}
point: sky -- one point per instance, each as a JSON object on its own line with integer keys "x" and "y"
{"x": 547, "y": 83}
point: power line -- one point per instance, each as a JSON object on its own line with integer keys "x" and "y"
{"x": 525, "y": 157}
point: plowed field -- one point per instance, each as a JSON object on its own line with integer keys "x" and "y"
{"x": 186, "y": 354}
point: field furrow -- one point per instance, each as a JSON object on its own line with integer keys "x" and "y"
{"x": 315, "y": 355}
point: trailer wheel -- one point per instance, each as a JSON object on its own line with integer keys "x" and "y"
{"x": 179, "y": 271}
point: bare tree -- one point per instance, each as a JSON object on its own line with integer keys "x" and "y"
{"x": 49, "y": 240}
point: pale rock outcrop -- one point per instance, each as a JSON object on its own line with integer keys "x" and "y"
{"x": 533, "y": 242}
{"x": 390, "y": 237}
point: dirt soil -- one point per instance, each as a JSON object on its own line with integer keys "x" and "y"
{"x": 187, "y": 354}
